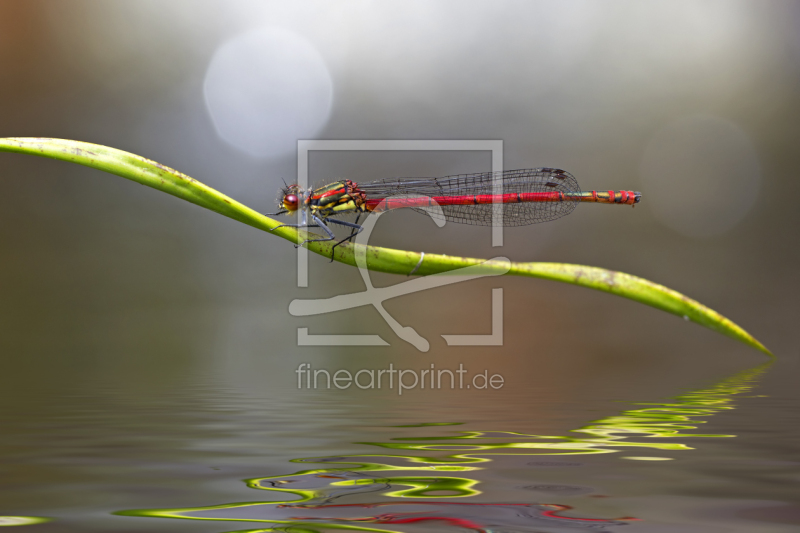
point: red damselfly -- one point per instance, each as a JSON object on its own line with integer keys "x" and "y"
{"x": 524, "y": 197}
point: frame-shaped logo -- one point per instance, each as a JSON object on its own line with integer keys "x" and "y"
{"x": 376, "y": 296}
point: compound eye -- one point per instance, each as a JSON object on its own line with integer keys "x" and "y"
{"x": 290, "y": 202}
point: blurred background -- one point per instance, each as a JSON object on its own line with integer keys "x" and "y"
{"x": 140, "y": 314}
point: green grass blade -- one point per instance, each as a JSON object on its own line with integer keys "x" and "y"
{"x": 157, "y": 176}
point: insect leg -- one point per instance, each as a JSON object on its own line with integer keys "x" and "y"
{"x": 356, "y": 230}
{"x": 319, "y": 224}
{"x": 353, "y": 233}
{"x": 303, "y": 225}
{"x": 295, "y": 226}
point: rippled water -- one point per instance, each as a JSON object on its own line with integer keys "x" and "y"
{"x": 220, "y": 460}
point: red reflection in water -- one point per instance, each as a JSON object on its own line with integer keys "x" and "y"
{"x": 545, "y": 510}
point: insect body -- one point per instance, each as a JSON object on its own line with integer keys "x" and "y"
{"x": 524, "y": 196}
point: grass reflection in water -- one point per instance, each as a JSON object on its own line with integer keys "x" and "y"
{"x": 416, "y": 488}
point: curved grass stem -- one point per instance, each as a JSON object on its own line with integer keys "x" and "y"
{"x": 158, "y": 176}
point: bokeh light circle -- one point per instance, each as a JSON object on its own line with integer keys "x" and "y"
{"x": 267, "y": 88}
{"x": 700, "y": 175}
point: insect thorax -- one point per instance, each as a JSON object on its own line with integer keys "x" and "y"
{"x": 339, "y": 197}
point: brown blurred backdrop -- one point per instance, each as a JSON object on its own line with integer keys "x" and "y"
{"x": 108, "y": 284}
{"x": 132, "y": 324}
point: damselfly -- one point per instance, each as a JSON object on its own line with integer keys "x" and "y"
{"x": 522, "y": 196}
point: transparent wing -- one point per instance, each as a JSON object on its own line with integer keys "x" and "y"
{"x": 509, "y": 181}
